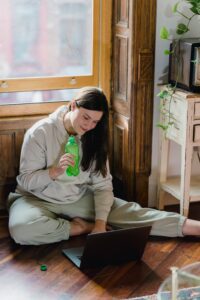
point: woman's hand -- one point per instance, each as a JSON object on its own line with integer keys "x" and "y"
{"x": 99, "y": 226}
{"x": 65, "y": 161}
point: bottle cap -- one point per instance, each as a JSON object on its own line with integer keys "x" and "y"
{"x": 71, "y": 139}
{"x": 43, "y": 268}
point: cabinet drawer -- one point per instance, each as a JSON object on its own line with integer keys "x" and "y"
{"x": 197, "y": 111}
{"x": 196, "y": 136}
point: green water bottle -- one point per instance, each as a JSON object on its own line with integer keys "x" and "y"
{"x": 72, "y": 148}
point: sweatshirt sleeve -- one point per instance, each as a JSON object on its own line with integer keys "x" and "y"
{"x": 103, "y": 194}
{"x": 33, "y": 174}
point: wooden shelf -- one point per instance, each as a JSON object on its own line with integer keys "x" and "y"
{"x": 172, "y": 186}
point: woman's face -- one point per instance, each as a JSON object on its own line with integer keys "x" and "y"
{"x": 83, "y": 120}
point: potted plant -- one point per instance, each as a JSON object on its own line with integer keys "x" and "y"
{"x": 188, "y": 12}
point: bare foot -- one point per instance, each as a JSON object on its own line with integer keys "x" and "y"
{"x": 191, "y": 227}
{"x": 80, "y": 226}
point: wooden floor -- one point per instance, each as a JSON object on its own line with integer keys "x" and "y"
{"x": 22, "y": 279}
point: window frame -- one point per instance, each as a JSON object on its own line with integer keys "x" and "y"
{"x": 61, "y": 82}
{"x": 100, "y": 77}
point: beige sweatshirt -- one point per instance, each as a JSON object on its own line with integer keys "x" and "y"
{"x": 42, "y": 148}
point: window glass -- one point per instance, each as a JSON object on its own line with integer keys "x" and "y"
{"x": 46, "y": 38}
{"x": 37, "y": 96}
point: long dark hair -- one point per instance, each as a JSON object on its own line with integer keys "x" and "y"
{"x": 95, "y": 141}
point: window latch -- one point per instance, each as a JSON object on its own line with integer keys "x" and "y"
{"x": 3, "y": 84}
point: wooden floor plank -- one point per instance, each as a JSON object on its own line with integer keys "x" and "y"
{"x": 20, "y": 272}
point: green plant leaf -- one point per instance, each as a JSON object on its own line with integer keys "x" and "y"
{"x": 193, "y": 2}
{"x": 181, "y": 29}
{"x": 174, "y": 8}
{"x": 163, "y": 94}
{"x": 195, "y": 9}
{"x": 162, "y": 126}
{"x": 164, "y": 33}
{"x": 168, "y": 52}
{"x": 195, "y": 6}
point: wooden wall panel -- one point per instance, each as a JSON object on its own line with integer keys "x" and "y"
{"x": 11, "y": 137}
{"x": 143, "y": 130}
{"x": 122, "y": 12}
{"x": 120, "y": 100}
{"x": 120, "y": 142}
{"x": 132, "y": 93}
{"x": 121, "y": 58}
{"x": 121, "y": 168}
{"x": 121, "y": 68}
{"x": 7, "y": 155}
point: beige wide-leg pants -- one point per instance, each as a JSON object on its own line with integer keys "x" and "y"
{"x": 33, "y": 221}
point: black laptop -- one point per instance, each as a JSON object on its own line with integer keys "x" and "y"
{"x": 111, "y": 247}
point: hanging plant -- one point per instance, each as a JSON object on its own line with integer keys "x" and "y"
{"x": 192, "y": 10}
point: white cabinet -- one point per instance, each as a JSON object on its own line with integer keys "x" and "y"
{"x": 184, "y": 111}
